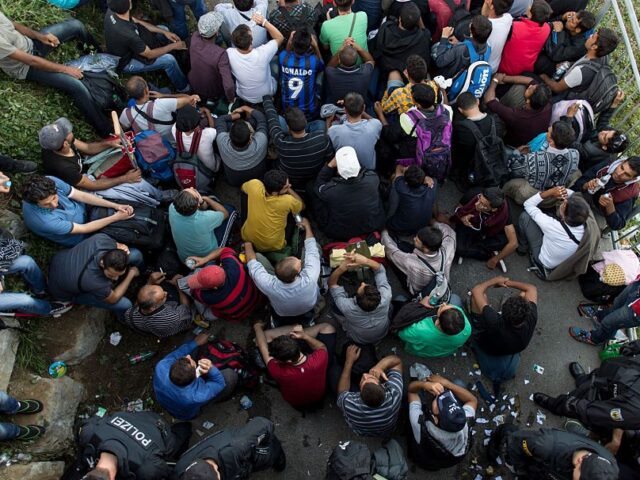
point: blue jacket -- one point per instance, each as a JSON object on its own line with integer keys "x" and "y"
{"x": 184, "y": 402}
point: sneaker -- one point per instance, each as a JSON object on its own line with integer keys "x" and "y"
{"x": 29, "y": 406}
{"x": 11, "y": 165}
{"x": 30, "y": 432}
{"x": 186, "y": 89}
{"x": 58, "y": 308}
{"x": 574, "y": 426}
{"x": 589, "y": 309}
{"x": 581, "y": 335}
{"x": 281, "y": 462}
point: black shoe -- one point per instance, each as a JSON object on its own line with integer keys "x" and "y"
{"x": 576, "y": 370}
{"x": 541, "y": 399}
{"x": 281, "y": 462}
{"x": 58, "y": 308}
{"x": 11, "y": 165}
{"x": 30, "y": 432}
{"x": 574, "y": 426}
{"x": 29, "y": 406}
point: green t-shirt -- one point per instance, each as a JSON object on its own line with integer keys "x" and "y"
{"x": 194, "y": 235}
{"x": 334, "y": 31}
{"x": 425, "y": 340}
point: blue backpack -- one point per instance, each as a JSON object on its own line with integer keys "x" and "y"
{"x": 154, "y": 155}
{"x": 476, "y": 77}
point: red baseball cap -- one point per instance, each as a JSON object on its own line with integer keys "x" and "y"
{"x": 208, "y": 277}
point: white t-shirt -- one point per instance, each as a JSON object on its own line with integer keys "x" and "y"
{"x": 233, "y": 18}
{"x": 498, "y": 38}
{"x": 578, "y": 75}
{"x": 556, "y": 244}
{"x": 163, "y": 108}
{"x": 252, "y": 72}
{"x": 205, "y": 149}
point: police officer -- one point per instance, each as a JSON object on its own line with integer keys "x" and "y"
{"x": 607, "y": 398}
{"x": 233, "y": 453}
{"x": 128, "y": 445}
{"x": 549, "y": 453}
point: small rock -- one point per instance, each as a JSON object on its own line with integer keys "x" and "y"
{"x": 12, "y": 222}
{"x": 83, "y": 334}
{"x": 9, "y": 340}
{"x": 34, "y": 471}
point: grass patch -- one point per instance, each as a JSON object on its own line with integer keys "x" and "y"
{"x": 30, "y": 355}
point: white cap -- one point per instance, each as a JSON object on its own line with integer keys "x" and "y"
{"x": 347, "y": 161}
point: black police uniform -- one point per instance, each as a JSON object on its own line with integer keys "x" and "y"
{"x": 142, "y": 442}
{"x": 547, "y": 452}
{"x": 238, "y": 451}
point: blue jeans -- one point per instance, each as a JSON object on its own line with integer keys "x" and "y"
{"x": 65, "y": 31}
{"x": 8, "y": 405}
{"x": 122, "y": 305}
{"x": 166, "y": 62}
{"x": 179, "y": 23}
{"x": 21, "y": 302}
{"x": 312, "y": 126}
{"x": 618, "y": 316}
{"x": 497, "y": 368}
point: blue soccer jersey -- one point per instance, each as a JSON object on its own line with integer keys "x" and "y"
{"x": 298, "y": 75}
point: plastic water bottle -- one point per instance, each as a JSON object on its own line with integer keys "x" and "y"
{"x": 601, "y": 182}
{"x": 141, "y": 357}
{"x": 561, "y": 70}
{"x": 246, "y": 403}
{"x": 440, "y": 289}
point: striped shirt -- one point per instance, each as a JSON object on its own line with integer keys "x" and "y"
{"x": 300, "y": 158}
{"x": 169, "y": 319}
{"x": 298, "y": 81}
{"x": 372, "y": 422}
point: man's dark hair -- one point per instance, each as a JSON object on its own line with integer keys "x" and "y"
{"x": 410, "y": 16}
{"x": 618, "y": 142}
{"x": 147, "y": 304}
{"x": 423, "y": 95}
{"x": 414, "y": 176}
{"x": 517, "y": 311}
{"x": 97, "y": 474}
{"x": 301, "y": 41}
{"x": 115, "y": 259}
{"x": 296, "y": 121}
{"x": 240, "y": 134}
{"x": 372, "y": 394}
{"x": 369, "y": 299}
{"x": 607, "y": 42}
{"x": 284, "y": 349}
{"x": 243, "y": 5}
{"x": 495, "y": 196}
{"x": 348, "y": 56}
{"x": 431, "y": 237}
{"x": 502, "y": 6}
{"x": 38, "y": 188}
{"x": 451, "y": 321}
{"x": 480, "y": 29}
{"x": 540, "y": 97}
{"x": 416, "y": 68}
{"x": 182, "y": 373}
{"x": 466, "y": 101}
{"x": 586, "y": 20}
{"x": 119, "y": 6}
{"x": 185, "y": 203}
{"x": 540, "y": 12}
{"x": 242, "y": 37}
{"x": 353, "y": 104}
{"x": 634, "y": 164}
{"x": 562, "y": 134}
{"x": 136, "y": 87}
{"x": 343, "y": 5}
{"x": 285, "y": 270}
{"x": 577, "y": 211}
{"x": 274, "y": 181}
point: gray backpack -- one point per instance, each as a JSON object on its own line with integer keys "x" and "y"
{"x": 390, "y": 461}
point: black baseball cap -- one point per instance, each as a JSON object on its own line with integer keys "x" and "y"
{"x": 595, "y": 467}
{"x": 199, "y": 470}
{"x": 451, "y": 416}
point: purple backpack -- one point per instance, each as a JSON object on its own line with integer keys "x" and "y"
{"x": 433, "y": 142}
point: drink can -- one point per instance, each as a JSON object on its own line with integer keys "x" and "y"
{"x": 298, "y": 218}
{"x": 191, "y": 263}
{"x": 58, "y": 369}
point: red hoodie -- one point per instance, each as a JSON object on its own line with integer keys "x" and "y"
{"x": 523, "y": 47}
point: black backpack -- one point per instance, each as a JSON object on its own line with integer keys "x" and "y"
{"x": 489, "y": 163}
{"x": 350, "y": 461}
{"x": 145, "y": 230}
{"x": 460, "y": 20}
{"x": 602, "y": 89}
{"x": 105, "y": 90}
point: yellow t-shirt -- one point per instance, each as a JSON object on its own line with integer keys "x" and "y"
{"x": 267, "y": 217}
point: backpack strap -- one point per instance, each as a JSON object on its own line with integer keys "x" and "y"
{"x": 353, "y": 23}
{"x": 475, "y": 131}
{"x": 433, "y": 270}
{"x": 149, "y": 117}
{"x": 569, "y": 233}
{"x": 195, "y": 141}
{"x": 413, "y": 115}
{"x": 453, "y": 6}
